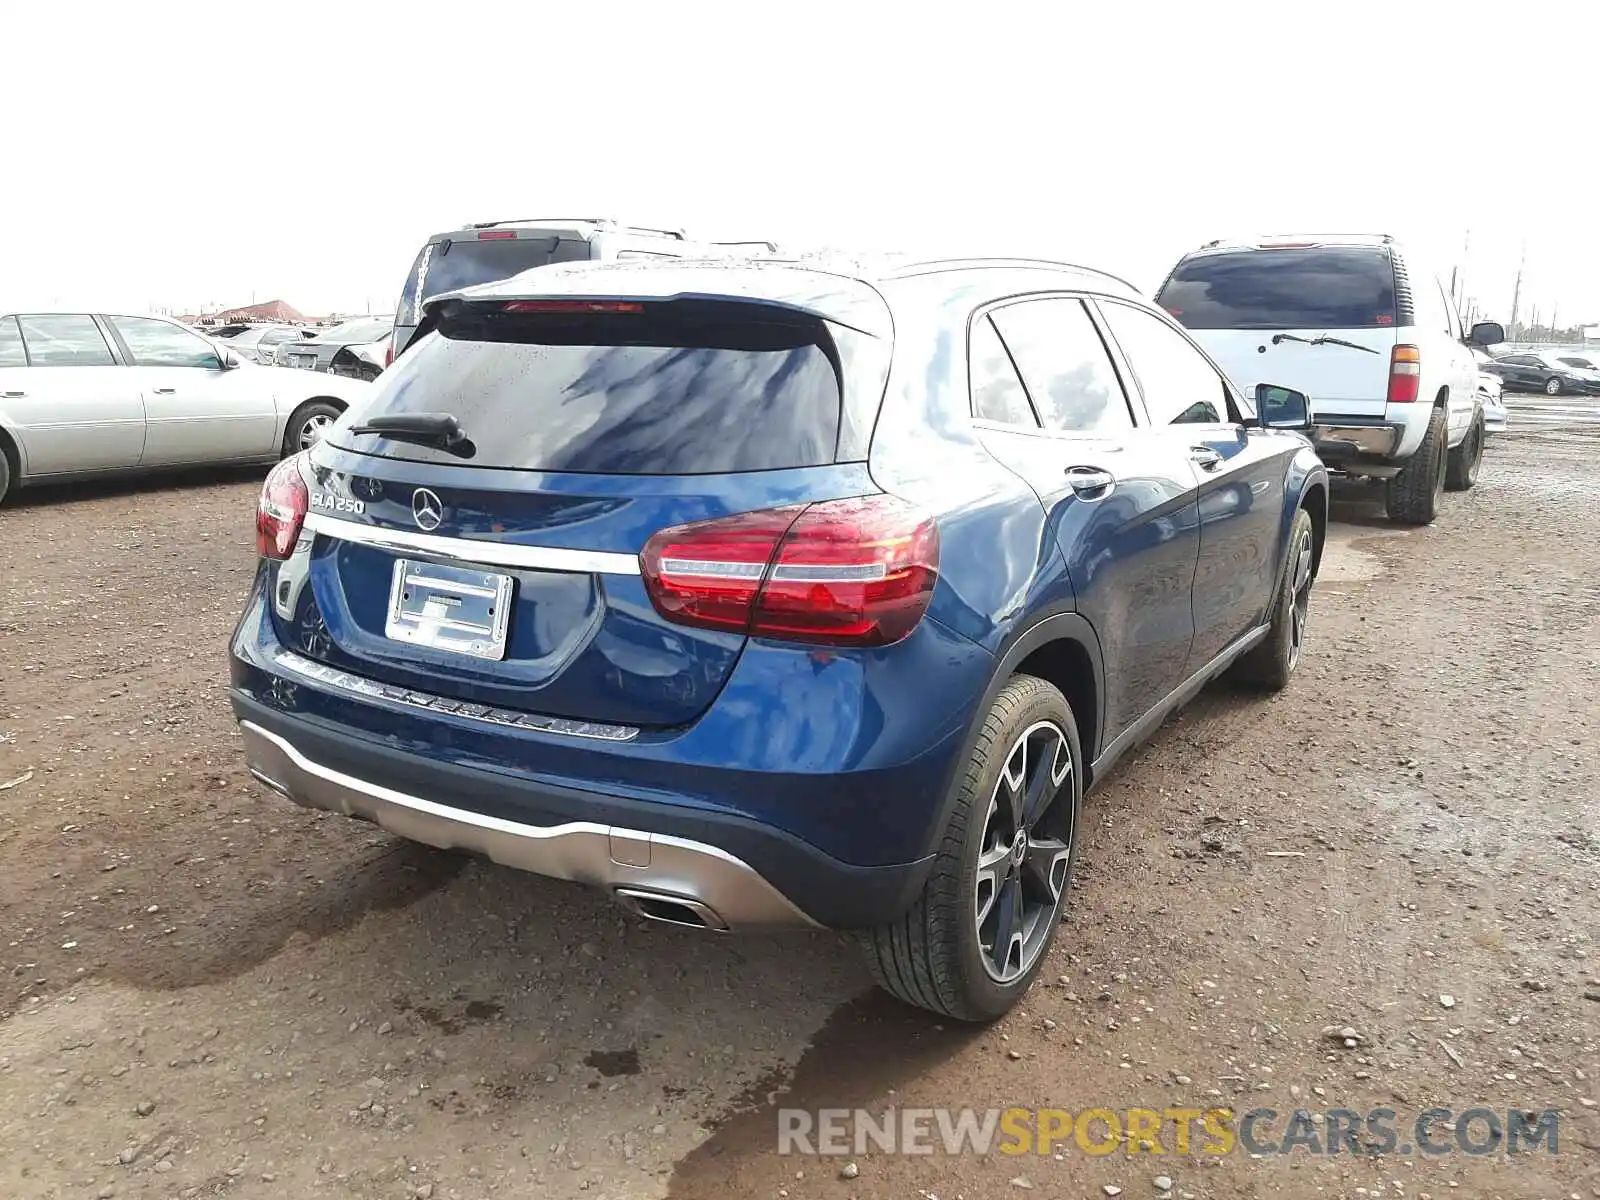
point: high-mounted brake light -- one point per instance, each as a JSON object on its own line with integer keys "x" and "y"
{"x": 1405, "y": 374}
{"x": 496, "y": 235}
{"x": 573, "y": 306}
{"x": 856, "y": 572}
{"x": 282, "y": 510}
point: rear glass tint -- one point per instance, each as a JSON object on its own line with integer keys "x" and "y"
{"x": 468, "y": 262}
{"x": 1319, "y": 288}
{"x": 681, "y": 389}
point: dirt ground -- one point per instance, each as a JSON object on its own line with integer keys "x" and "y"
{"x": 205, "y": 991}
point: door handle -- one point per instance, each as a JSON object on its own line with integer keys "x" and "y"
{"x": 1205, "y": 458}
{"x": 1091, "y": 483}
{"x": 163, "y": 391}
{"x": 14, "y": 395}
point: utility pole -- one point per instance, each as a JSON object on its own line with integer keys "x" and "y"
{"x": 1553, "y": 325}
{"x": 1516, "y": 294}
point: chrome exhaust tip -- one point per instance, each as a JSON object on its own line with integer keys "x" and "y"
{"x": 671, "y": 910}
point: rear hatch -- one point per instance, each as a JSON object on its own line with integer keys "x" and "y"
{"x": 460, "y": 260}
{"x": 513, "y": 580}
{"x": 1283, "y": 315}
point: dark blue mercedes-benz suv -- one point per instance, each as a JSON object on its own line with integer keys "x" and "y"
{"x": 773, "y": 594}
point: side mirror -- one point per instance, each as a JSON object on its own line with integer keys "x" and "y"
{"x": 1282, "y": 408}
{"x": 230, "y": 360}
{"x": 1487, "y": 333}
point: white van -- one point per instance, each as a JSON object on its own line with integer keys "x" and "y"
{"x": 1367, "y": 333}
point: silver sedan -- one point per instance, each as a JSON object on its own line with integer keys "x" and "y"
{"x": 97, "y": 393}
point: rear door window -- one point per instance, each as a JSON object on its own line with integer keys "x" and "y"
{"x": 64, "y": 340}
{"x": 1315, "y": 288}
{"x": 1065, "y": 366}
{"x": 670, "y": 389}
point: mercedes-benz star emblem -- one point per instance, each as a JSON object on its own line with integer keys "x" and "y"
{"x": 426, "y": 509}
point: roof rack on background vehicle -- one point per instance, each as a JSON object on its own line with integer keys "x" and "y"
{"x": 605, "y": 222}
{"x": 1308, "y": 239}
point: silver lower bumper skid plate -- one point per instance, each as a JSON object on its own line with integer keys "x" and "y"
{"x": 606, "y": 856}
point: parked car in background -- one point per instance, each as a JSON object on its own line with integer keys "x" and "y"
{"x": 1364, "y": 330}
{"x": 1495, "y": 418}
{"x": 1584, "y": 367}
{"x": 259, "y": 343}
{"x": 317, "y": 353}
{"x": 1530, "y": 371}
{"x": 362, "y": 362}
{"x": 825, "y": 609}
{"x": 97, "y": 393}
{"x": 493, "y": 250}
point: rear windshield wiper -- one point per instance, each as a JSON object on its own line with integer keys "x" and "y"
{"x": 1323, "y": 340}
{"x": 439, "y": 430}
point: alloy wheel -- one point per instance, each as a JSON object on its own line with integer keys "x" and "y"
{"x": 1300, "y": 599}
{"x": 1552, "y": 387}
{"x": 313, "y": 430}
{"x": 1024, "y": 852}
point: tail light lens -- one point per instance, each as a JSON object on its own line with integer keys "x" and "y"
{"x": 857, "y": 572}
{"x": 388, "y": 355}
{"x": 1405, "y": 374}
{"x": 282, "y": 510}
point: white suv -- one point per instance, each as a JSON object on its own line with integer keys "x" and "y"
{"x": 1367, "y": 333}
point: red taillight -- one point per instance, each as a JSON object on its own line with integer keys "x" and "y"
{"x": 856, "y": 572}
{"x": 1405, "y": 374}
{"x": 282, "y": 510}
{"x": 388, "y": 355}
{"x": 497, "y": 235}
{"x": 573, "y": 306}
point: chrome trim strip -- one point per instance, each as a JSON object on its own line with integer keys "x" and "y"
{"x": 699, "y": 874}
{"x": 332, "y": 679}
{"x": 474, "y": 550}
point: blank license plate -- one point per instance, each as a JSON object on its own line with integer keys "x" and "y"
{"x": 448, "y": 608}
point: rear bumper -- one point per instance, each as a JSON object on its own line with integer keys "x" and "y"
{"x": 749, "y": 875}
{"x": 721, "y": 889}
{"x": 1350, "y": 442}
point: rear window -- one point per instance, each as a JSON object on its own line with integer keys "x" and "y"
{"x": 1320, "y": 288}
{"x": 446, "y": 266}
{"x": 681, "y": 388}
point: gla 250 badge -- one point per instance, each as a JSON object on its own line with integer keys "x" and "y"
{"x": 341, "y": 504}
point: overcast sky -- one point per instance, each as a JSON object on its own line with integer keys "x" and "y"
{"x": 220, "y": 152}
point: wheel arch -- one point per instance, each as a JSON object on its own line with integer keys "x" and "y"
{"x": 1060, "y": 649}
{"x": 12, "y": 449}
{"x": 1315, "y": 501}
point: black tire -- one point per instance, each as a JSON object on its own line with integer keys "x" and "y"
{"x": 313, "y": 414}
{"x": 5, "y": 475}
{"x": 1272, "y": 662}
{"x": 1466, "y": 458}
{"x": 1552, "y": 386}
{"x": 1413, "y": 495}
{"x": 933, "y": 956}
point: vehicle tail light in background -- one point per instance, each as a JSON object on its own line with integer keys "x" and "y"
{"x": 388, "y": 355}
{"x": 282, "y": 510}
{"x": 1405, "y": 374}
{"x": 856, "y": 572}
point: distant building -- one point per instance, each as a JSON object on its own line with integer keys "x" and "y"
{"x": 1592, "y": 334}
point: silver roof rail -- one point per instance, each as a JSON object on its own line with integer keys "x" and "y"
{"x": 915, "y": 265}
